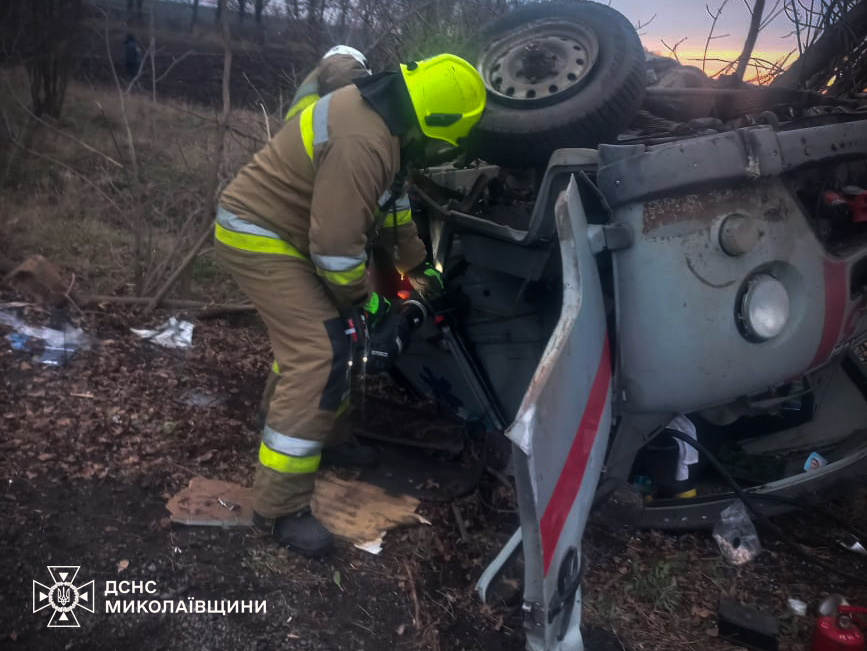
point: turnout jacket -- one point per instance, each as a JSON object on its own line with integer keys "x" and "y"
{"x": 318, "y": 186}
{"x": 332, "y": 73}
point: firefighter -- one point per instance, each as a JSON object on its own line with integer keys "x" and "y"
{"x": 337, "y": 68}
{"x": 294, "y": 229}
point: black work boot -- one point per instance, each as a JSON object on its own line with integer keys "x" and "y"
{"x": 299, "y": 532}
{"x": 351, "y": 453}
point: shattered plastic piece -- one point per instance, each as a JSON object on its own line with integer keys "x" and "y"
{"x": 199, "y": 398}
{"x": 171, "y": 334}
{"x": 57, "y": 345}
{"x": 797, "y": 606}
{"x": 736, "y": 536}
{"x": 814, "y": 461}
{"x": 19, "y": 341}
{"x": 852, "y": 543}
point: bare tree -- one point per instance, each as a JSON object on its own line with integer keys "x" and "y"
{"x": 833, "y": 42}
{"x": 758, "y": 11}
{"x": 46, "y": 49}
{"x": 195, "y": 15}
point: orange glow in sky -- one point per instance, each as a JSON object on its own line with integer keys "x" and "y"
{"x": 689, "y": 21}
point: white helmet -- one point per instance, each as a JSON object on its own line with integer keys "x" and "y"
{"x": 349, "y": 51}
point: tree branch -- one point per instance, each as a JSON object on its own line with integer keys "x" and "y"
{"x": 750, "y": 43}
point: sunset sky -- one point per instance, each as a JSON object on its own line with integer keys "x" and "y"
{"x": 676, "y": 19}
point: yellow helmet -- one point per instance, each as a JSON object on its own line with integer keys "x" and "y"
{"x": 448, "y": 96}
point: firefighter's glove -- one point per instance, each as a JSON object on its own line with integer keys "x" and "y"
{"x": 361, "y": 320}
{"x": 428, "y": 282}
{"x": 375, "y": 310}
{"x": 387, "y": 341}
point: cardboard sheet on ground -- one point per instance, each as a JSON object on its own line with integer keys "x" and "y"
{"x": 353, "y": 510}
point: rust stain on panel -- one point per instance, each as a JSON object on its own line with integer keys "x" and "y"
{"x": 767, "y": 203}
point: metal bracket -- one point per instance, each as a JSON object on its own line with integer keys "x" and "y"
{"x": 495, "y": 569}
{"x": 609, "y": 237}
{"x": 533, "y": 614}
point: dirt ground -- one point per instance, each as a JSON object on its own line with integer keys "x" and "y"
{"x": 91, "y": 450}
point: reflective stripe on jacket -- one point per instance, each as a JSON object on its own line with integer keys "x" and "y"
{"x": 318, "y": 185}
{"x": 332, "y": 73}
{"x": 238, "y": 233}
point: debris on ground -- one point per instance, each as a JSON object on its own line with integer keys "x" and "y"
{"x": 362, "y": 513}
{"x": 850, "y": 541}
{"x": 212, "y": 502}
{"x": 199, "y": 398}
{"x": 40, "y": 280}
{"x": 797, "y": 606}
{"x": 747, "y": 627}
{"x": 352, "y": 510}
{"x": 54, "y": 346}
{"x": 117, "y": 439}
{"x": 171, "y": 334}
{"x": 736, "y": 535}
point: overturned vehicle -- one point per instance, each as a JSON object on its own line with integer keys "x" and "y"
{"x": 699, "y": 277}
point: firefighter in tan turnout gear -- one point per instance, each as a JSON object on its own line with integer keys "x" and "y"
{"x": 337, "y": 68}
{"x": 294, "y": 229}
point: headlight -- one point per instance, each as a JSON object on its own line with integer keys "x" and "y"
{"x": 764, "y": 307}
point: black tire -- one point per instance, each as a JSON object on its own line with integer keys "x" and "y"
{"x": 524, "y": 132}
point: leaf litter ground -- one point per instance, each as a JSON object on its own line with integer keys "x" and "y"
{"x": 90, "y": 452}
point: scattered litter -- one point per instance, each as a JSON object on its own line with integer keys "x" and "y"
{"x": 736, "y": 536}
{"x": 55, "y": 346}
{"x": 360, "y": 512}
{"x": 815, "y": 461}
{"x": 797, "y": 606}
{"x": 199, "y": 398}
{"x": 39, "y": 279}
{"x": 171, "y": 334}
{"x": 203, "y": 502}
{"x": 226, "y": 504}
{"x": 352, "y": 510}
{"x": 852, "y": 543}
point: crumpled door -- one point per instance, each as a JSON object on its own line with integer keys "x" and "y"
{"x": 560, "y": 436}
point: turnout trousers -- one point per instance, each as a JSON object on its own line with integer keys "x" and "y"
{"x": 310, "y": 396}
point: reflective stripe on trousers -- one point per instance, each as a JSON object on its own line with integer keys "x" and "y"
{"x": 288, "y": 454}
{"x": 238, "y": 233}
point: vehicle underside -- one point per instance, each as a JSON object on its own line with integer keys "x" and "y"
{"x": 637, "y": 256}
{"x": 786, "y": 418}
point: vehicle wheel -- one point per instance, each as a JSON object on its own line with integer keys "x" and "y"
{"x": 558, "y": 75}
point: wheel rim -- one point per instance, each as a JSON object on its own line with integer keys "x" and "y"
{"x": 539, "y": 63}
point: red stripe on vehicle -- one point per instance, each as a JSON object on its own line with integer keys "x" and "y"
{"x": 835, "y": 306}
{"x": 572, "y": 474}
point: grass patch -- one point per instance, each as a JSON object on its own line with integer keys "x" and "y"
{"x": 68, "y": 186}
{"x": 657, "y": 584}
